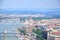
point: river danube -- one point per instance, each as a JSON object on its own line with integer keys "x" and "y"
{"x": 9, "y": 27}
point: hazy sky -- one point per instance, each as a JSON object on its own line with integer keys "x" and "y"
{"x": 29, "y": 4}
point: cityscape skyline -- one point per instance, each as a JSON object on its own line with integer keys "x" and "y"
{"x": 29, "y": 19}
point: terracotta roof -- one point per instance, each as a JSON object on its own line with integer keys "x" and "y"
{"x": 52, "y": 25}
{"x": 56, "y": 33}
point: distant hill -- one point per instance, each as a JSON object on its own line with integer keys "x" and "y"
{"x": 51, "y": 12}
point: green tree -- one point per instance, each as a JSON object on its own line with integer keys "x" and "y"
{"x": 38, "y": 34}
{"x": 22, "y": 31}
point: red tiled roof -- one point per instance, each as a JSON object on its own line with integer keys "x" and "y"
{"x": 52, "y": 25}
{"x": 56, "y": 33}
